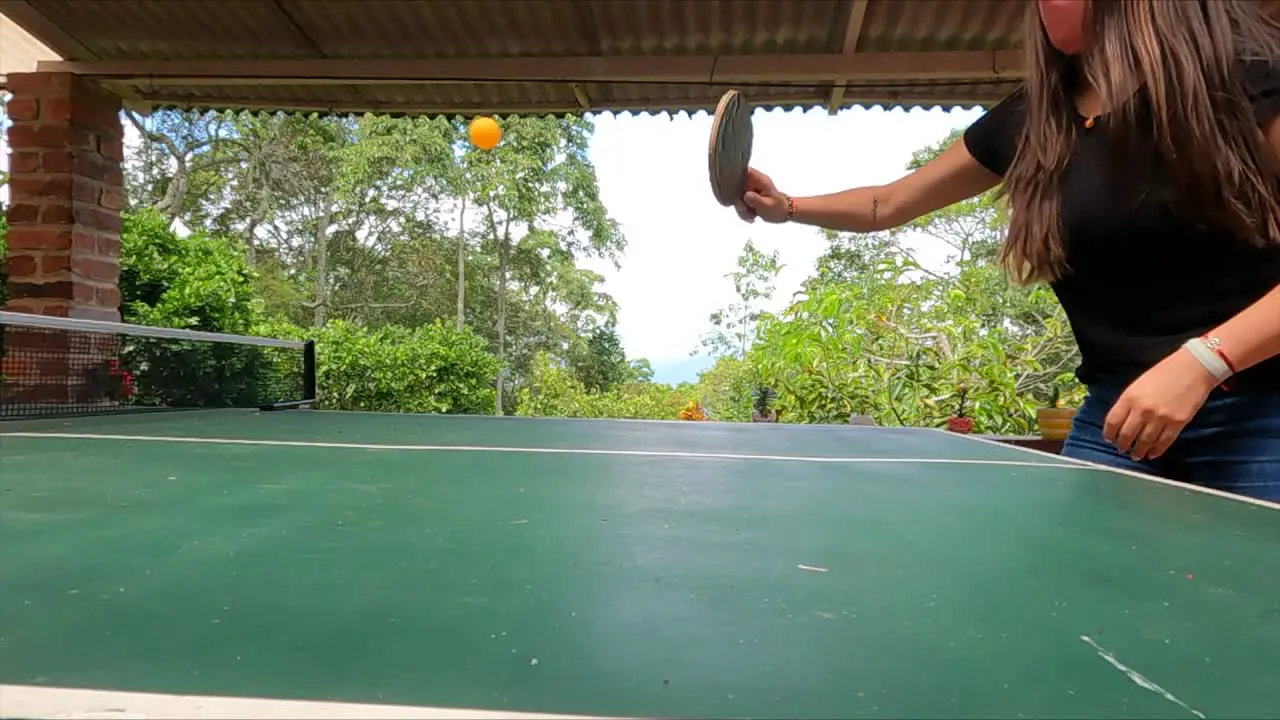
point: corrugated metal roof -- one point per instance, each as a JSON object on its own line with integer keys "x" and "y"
{"x": 171, "y": 31}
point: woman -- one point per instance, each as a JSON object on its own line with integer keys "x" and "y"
{"x": 1141, "y": 166}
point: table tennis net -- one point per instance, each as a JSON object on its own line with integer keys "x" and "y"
{"x": 52, "y": 366}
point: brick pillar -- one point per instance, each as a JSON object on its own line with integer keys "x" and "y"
{"x": 63, "y": 243}
{"x": 65, "y": 193}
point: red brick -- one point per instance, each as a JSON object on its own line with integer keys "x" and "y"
{"x": 52, "y": 214}
{"x": 83, "y": 241}
{"x": 112, "y": 198}
{"x": 18, "y": 213}
{"x": 54, "y": 308}
{"x": 108, "y": 246}
{"x": 93, "y": 166}
{"x": 21, "y": 109}
{"x": 95, "y": 108}
{"x": 37, "y": 83}
{"x": 55, "y": 263}
{"x": 39, "y": 136}
{"x": 82, "y": 292}
{"x": 108, "y": 297}
{"x": 98, "y": 218}
{"x": 92, "y": 268}
{"x": 83, "y": 139}
{"x": 42, "y": 393}
{"x": 55, "y": 109}
{"x": 56, "y": 366}
{"x": 21, "y": 266}
{"x": 57, "y": 161}
{"x": 24, "y": 162}
{"x": 13, "y": 365}
{"x": 21, "y": 237}
{"x": 111, "y": 148}
{"x": 58, "y": 290}
{"x": 40, "y": 340}
{"x": 35, "y": 188}
{"x": 85, "y": 190}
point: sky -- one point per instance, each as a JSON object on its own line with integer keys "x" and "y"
{"x": 681, "y": 243}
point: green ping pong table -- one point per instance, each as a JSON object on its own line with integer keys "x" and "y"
{"x": 315, "y": 564}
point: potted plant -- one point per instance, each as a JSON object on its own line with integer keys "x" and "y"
{"x": 693, "y": 411}
{"x": 960, "y": 423}
{"x": 1053, "y": 420}
{"x": 762, "y": 400}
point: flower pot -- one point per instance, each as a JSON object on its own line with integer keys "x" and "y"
{"x": 769, "y": 417}
{"x": 962, "y": 425}
{"x": 1054, "y": 422}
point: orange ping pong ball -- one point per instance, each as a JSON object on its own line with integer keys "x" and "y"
{"x": 484, "y": 133}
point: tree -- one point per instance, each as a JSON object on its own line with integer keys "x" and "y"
{"x": 639, "y": 371}
{"x": 382, "y": 221}
{"x": 733, "y": 328}
{"x": 601, "y": 365}
{"x": 179, "y": 161}
{"x": 537, "y": 195}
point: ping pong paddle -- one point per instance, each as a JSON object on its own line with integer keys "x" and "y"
{"x": 730, "y": 154}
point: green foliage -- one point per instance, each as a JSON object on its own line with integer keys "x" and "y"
{"x": 600, "y": 364}
{"x": 733, "y": 328}
{"x": 396, "y": 221}
{"x": 382, "y": 235}
{"x": 199, "y": 282}
{"x": 555, "y": 391}
{"x": 433, "y": 368}
{"x": 638, "y": 371}
{"x": 763, "y": 398}
{"x": 725, "y": 389}
{"x": 875, "y": 333}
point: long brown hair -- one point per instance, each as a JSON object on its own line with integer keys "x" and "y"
{"x": 1164, "y": 69}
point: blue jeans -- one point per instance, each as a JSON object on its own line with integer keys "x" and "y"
{"x": 1232, "y": 444}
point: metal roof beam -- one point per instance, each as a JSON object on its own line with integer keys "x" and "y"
{"x": 852, "y": 31}
{"x": 700, "y": 70}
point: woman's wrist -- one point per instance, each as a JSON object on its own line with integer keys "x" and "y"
{"x": 792, "y": 207}
{"x": 1209, "y": 355}
{"x": 856, "y": 210}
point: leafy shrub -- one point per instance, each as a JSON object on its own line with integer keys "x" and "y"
{"x": 429, "y": 369}
{"x": 555, "y": 391}
{"x": 198, "y": 282}
{"x": 725, "y": 389}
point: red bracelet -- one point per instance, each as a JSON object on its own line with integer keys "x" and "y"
{"x": 791, "y": 207}
{"x": 1215, "y": 345}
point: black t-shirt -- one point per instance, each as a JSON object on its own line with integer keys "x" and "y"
{"x": 1141, "y": 279}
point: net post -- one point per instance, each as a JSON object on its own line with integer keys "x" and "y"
{"x": 309, "y": 371}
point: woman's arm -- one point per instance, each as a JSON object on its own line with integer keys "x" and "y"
{"x": 952, "y": 176}
{"x": 1253, "y": 336}
{"x": 1151, "y": 412}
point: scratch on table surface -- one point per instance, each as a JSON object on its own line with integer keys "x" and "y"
{"x": 811, "y": 568}
{"x": 1137, "y": 677}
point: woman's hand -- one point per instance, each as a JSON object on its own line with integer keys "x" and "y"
{"x": 1153, "y": 410}
{"x": 762, "y": 200}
